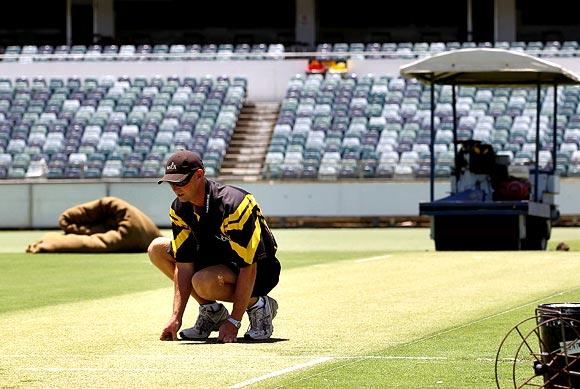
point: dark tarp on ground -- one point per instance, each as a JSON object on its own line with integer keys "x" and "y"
{"x": 108, "y": 224}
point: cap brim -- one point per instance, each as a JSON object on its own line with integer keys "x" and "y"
{"x": 173, "y": 178}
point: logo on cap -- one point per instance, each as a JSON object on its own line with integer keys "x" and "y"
{"x": 172, "y": 166}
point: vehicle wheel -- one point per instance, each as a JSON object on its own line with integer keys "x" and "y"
{"x": 535, "y": 243}
{"x": 538, "y": 234}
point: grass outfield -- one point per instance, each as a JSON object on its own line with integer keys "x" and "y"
{"x": 372, "y": 308}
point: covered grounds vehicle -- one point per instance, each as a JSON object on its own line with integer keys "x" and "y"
{"x": 493, "y": 205}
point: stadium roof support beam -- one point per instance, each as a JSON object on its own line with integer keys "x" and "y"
{"x": 306, "y": 23}
{"x": 504, "y": 20}
{"x": 469, "y": 22}
{"x": 69, "y": 22}
{"x": 103, "y": 19}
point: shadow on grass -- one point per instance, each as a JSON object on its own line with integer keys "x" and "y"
{"x": 239, "y": 340}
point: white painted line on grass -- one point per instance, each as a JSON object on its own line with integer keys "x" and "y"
{"x": 280, "y": 372}
{"x": 402, "y": 357}
{"x": 369, "y": 259}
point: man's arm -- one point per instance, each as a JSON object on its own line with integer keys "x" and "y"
{"x": 182, "y": 280}
{"x": 243, "y": 290}
{"x": 242, "y": 293}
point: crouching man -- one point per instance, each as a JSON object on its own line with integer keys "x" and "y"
{"x": 222, "y": 250}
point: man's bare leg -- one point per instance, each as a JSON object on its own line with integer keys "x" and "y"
{"x": 217, "y": 283}
{"x": 160, "y": 257}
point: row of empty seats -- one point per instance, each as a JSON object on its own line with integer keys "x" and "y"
{"x": 353, "y": 126}
{"x": 421, "y": 49}
{"x": 132, "y": 52}
{"x": 114, "y": 127}
{"x": 226, "y": 51}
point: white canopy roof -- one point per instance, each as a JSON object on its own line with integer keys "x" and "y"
{"x": 487, "y": 67}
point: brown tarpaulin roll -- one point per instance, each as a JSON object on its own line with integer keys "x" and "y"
{"x": 108, "y": 224}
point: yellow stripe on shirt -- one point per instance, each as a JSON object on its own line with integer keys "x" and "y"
{"x": 179, "y": 239}
{"x": 183, "y": 235}
{"x": 247, "y": 253}
{"x": 178, "y": 221}
{"x": 241, "y": 214}
{"x": 238, "y": 211}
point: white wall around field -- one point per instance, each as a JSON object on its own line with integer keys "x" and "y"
{"x": 38, "y": 205}
{"x": 267, "y": 80}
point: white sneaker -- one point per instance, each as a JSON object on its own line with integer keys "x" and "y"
{"x": 209, "y": 319}
{"x": 261, "y": 320}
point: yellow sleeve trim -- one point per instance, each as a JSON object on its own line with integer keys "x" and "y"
{"x": 178, "y": 241}
{"x": 176, "y": 219}
{"x": 183, "y": 235}
{"x": 247, "y": 253}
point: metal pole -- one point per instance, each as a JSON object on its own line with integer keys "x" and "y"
{"x": 431, "y": 146}
{"x": 454, "y": 133}
{"x": 495, "y": 21}
{"x": 95, "y": 20}
{"x": 555, "y": 132}
{"x": 469, "y": 21}
{"x": 537, "y": 162}
{"x": 68, "y": 22}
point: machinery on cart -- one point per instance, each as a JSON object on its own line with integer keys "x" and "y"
{"x": 493, "y": 205}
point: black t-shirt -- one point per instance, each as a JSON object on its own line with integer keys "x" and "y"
{"x": 229, "y": 228}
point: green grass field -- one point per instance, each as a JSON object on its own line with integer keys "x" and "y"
{"x": 358, "y": 308}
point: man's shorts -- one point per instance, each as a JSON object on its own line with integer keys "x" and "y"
{"x": 267, "y": 276}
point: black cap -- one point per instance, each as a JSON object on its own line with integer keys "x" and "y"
{"x": 179, "y": 165}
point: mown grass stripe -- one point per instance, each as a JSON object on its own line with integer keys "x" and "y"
{"x": 475, "y": 322}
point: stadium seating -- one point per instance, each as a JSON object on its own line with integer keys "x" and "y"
{"x": 331, "y": 126}
{"x": 113, "y": 128}
{"x": 348, "y": 126}
{"x": 411, "y": 50}
{"x": 241, "y": 51}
